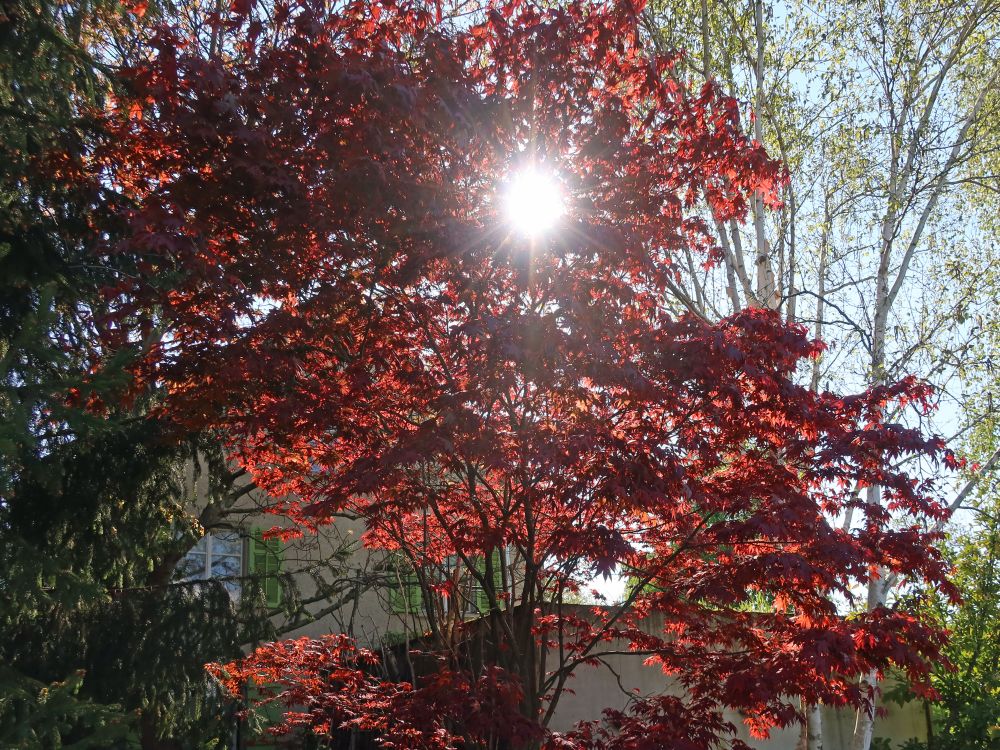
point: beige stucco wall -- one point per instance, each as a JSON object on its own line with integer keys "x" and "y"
{"x": 596, "y": 688}
{"x": 368, "y": 617}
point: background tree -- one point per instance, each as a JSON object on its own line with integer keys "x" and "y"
{"x": 47, "y": 75}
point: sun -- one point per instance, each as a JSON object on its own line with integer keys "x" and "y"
{"x": 533, "y": 202}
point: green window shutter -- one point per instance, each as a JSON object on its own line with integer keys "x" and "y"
{"x": 405, "y": 594}
{"x": 265, "y": 561}
{"x": 397, "y": 596}
{"x": 482, "y": 601}
{"x": 260, "y": 718}
{"x": 414, "y": 594}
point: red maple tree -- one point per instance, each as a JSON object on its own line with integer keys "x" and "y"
{"x": 316, "y": 208}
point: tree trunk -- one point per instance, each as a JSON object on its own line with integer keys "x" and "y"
{"x": 767, "y": 291}
{"x": 865, "y": 721}
{"x": 814, "y": 725}
{"x": 929, "y": 723}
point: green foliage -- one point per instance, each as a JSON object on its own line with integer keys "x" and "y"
{"x": 50, "y": 281}
{"x": 36, "y": 715}
{"x": 968, "y": 713}
{"x": 90, "y": 537}
{"x": 47, "y": 291}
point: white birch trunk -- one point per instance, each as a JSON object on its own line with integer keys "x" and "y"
{"x": 814, "y": 727}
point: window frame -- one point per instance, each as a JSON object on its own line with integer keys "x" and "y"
{"x": 206, "y": 557}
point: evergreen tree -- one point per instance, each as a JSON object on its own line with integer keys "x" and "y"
{"x": 100, "y": 648}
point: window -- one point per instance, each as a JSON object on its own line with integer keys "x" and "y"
{"x": 218, "y": 555}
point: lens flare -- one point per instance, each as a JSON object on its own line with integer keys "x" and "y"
{"x": 533, "y": 202}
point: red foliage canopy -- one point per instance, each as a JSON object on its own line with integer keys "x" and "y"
{"x": 328, "y": 684}
{"x": 317, "y": 216}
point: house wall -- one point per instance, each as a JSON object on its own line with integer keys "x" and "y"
{"x": 311, "y": 562}
{"x": 596, "y": 688}
{"x": 622, "y": 675}
{"x": 368, "y": 616}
